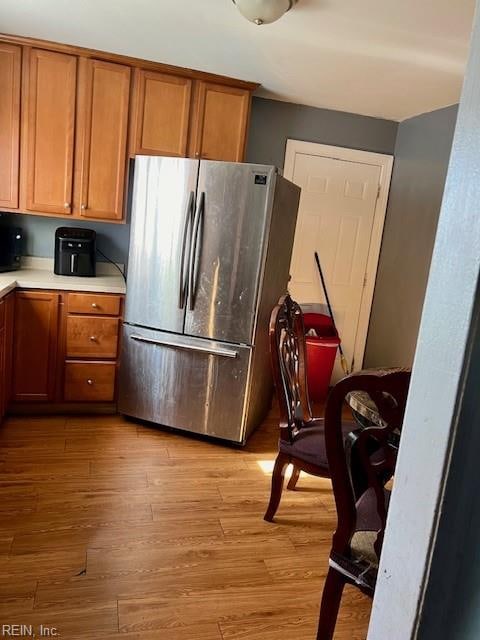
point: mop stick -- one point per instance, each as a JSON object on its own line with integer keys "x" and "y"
{"x": 343, "y": 360}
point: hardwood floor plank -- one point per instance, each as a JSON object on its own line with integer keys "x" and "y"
{"x": 234, "y": 604}
{"x": 109, "y": 443}
{"x": 56, "y": 564}
{"x": 156, "y": 581}
{"x": 39, "y": 470}
{"x": 101, "y": 562}
{"x": 14, "y": 606}
{"x": 5, "y": 544}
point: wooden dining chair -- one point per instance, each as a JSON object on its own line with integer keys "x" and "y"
{"x": 366, "y": 459}
{"x": 302, "y": 437}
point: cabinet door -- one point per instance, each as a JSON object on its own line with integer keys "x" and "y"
{"x": 221, "y": 122}
{"x": 49, "y": 125}
{"x": 102, "y": 134}
{"x": 8, "y": 348}
{"x": 3, "y": 376}
{"x": 2, "y": 359}
{"x": 162, "y": 108}
{"x": 35, "y": 346}
{"x": 10, "y": 68}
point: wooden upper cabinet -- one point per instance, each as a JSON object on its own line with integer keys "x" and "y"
{"x": 49, "y": 126}
{"x": 161, "y": 114}
{"x": 10, "y": 70}
{"x": 35, "y": 346}
{"x": 222, "y": 118}
{"x": 102, "y": 125}
{"x": 68, "y": 125}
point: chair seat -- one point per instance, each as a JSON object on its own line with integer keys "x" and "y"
{"x": 309, "y": 443}
{"x": 361, "y": 565}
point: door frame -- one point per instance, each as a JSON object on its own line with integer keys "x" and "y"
{"x": 385, "y": 162}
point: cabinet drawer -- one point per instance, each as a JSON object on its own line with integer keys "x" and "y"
{"x": 94, "y": 304}
{"x": 89, "y": 381}
{"x": 90, "y": 337}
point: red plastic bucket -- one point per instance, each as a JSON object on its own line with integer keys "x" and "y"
{"x": 321, "y": 354}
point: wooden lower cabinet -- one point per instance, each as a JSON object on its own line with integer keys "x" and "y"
{"x": 92, "y": 337}
{"x": 65, "y": 349}
{"x": 3, "y": 371}
{"x": 35, "y": 346}
{"x": 94, "y": 304}
{"x": 89, "y": 381}
{"x": 7, "y": 305}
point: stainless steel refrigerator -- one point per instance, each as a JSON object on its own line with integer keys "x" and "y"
{"x": 209, "y": 257}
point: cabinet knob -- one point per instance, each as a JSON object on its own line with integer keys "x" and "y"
{"x": 83, "y": 207}
{"x": 94, "y": 305}
{"x": 90, "y": 381}
{"x": 67, "y": 205}
{"x": 93, "y": 338}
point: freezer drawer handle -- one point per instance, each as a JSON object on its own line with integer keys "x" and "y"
{"x": 167, "y": 343}
{"x": 182, "y": 294}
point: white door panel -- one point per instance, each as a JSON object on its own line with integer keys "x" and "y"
{"x": 336, "y": 217}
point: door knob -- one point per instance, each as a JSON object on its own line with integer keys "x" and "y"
{"x": 90, "y": 381}
{"x": 66, "y": 205}
{"x": 93, "y": 338}
{"x": 83, "y": 207}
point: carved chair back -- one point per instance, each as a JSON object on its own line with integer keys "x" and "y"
{"x": 373, "y": 447}
{"x": 287, "y": 350}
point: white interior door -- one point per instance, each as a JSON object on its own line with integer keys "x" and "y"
{"x": 337, "y": 219}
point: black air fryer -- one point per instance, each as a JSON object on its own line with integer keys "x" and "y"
{"x": 74, "y": 252}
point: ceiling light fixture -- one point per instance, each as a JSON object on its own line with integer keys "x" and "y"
{"x": 263, "y": 11}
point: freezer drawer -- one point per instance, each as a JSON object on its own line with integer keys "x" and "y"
{"x": 188, "y": 383}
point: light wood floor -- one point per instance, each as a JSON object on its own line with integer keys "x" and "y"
{"x": 109, "y": 529}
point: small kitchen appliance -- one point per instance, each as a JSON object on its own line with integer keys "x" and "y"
{"x": 75, "y": 252}
{"x": 11, "y": 245}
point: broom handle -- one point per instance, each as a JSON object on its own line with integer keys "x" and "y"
{"x": 330, "y": 310}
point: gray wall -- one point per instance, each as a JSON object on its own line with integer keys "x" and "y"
{"x": 422, "y": 153}
{"x": 112, "y": 239}
{"x": 273, "y": 122}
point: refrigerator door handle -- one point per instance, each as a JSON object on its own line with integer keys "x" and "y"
{"x": 182, "y": 293}
{"x": 214, "y": 351}
{"x": 196, "y": 250}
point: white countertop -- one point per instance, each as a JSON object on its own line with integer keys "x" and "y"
{"x": 37, "y": 273}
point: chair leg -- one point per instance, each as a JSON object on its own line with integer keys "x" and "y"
{"x": 281, "y": 463}
{"x": 292, "y": 483}
{"x": 331, "y": 598}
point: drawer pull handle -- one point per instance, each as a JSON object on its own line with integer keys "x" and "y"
{"x": 94, "y": 305}
{"x": 93, "y": 338}
{"x": 90, "y": 381}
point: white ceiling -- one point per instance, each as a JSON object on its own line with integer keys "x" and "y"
{"x": 385, "y": 58}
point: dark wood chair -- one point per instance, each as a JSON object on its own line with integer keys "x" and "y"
{"x": 302, "y": 437}
{"x": 360, "y": 467}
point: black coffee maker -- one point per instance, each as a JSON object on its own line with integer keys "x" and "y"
{"x": 75, "y": 252}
